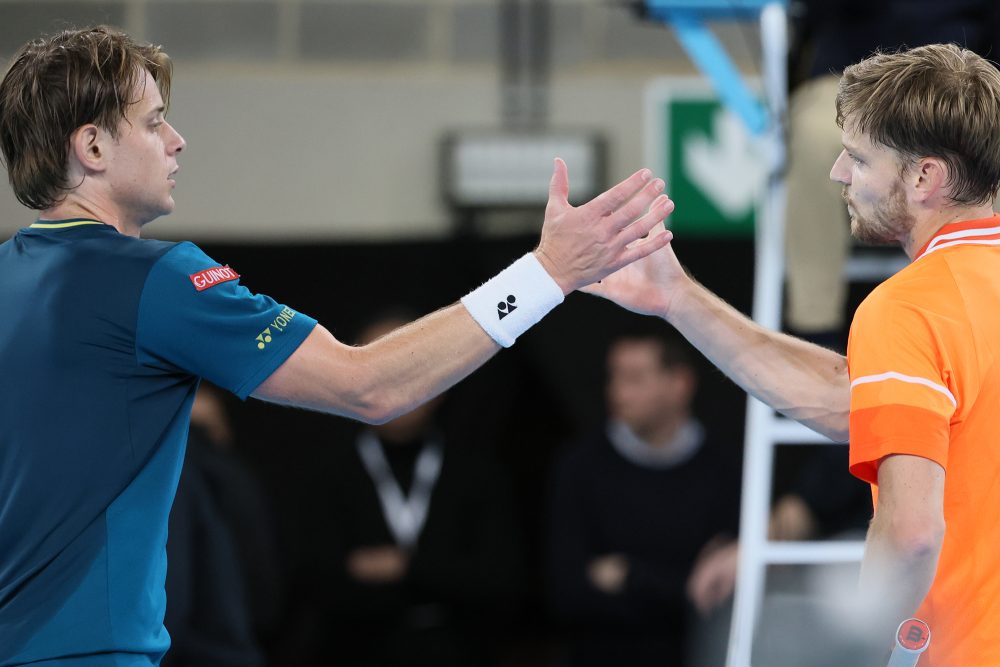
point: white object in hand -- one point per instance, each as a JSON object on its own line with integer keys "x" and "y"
{"x": 912, "y": 638}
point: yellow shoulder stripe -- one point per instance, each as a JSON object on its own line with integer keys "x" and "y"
{"x": 61, "y": 225}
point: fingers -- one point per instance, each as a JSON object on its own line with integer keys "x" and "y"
{"x": 645, "y": 247}
{"x": 637, "y": 205}
{"x": 559, "y": 187}
{"x": 661, "y": 207}
{"x": 710, "y": 585}
{"x": 610, "y": 201}
{"x": 697, "y": 589}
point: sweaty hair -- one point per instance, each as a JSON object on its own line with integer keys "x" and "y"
{"x": 938, "y": 101}
{"x": 57, "y": 84}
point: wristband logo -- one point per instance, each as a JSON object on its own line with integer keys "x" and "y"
{"x": 211, "y": 277}
{"x": 505, "y": 308}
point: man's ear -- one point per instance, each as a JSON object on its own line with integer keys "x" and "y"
{"x": 930, "y": 177}
{"x": 87, "y": 148}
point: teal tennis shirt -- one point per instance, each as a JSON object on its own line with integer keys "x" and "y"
{"x": 104, "y": 340}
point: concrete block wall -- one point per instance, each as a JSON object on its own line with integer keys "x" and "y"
{"x": 320, "y": 119}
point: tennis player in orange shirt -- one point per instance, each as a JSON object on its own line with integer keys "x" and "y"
{"x": 919, "y": 391}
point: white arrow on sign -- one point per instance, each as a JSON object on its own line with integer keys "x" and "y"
{"x": 727, "y": 166}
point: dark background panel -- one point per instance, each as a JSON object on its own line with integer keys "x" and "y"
{"x": 524, "y": 404}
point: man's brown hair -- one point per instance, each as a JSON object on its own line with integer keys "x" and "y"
{"x": 938, "y": 101}
{"x": 59, "y": 83}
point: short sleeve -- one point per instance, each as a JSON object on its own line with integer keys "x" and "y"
{"x": 901, "y": 398}
{"x": 195, "y": 316}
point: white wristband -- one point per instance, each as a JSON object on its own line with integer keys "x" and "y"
{"x": 513, "y": 300}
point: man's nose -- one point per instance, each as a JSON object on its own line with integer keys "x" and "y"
{"x": 841, "y": 171}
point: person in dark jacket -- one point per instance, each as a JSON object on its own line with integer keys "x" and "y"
{"x": 421, "y": 558}
{"x": 633, "y": 506}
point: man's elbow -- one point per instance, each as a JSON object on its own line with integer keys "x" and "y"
{"x": 379, "y": 415}
{"x": 374, "y": 402}
{"x": 840, "y": 422}
{"x": 834, "y": 425}
{"x": 836, "y": 432}
{"x": 372, "y": 406}
{"x": 917, "y": 538}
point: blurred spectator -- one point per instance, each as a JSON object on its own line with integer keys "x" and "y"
{"x": 420, "y": 559}
{"x": 633, "y": 506}
{"x": 223, "y": 575}
{"x": 830, "y": 35}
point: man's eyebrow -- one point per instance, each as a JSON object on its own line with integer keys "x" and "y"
{"x": 158, "y": 111}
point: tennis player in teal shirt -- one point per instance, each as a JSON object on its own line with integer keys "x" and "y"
{"x": 106, "y": 335}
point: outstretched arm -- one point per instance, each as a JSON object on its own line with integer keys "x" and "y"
{"x": 394, "y": 374}
{"x": 803, "y": 381}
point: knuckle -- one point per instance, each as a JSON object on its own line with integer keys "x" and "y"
{"x": 617, "y": 198}
{"x": 607, "y": 234}
{"x": 632, "y": 210}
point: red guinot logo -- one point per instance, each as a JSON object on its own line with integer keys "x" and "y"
{"x": 212, "y": 277}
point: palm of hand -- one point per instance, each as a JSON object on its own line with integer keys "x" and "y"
{"x": 645, "y": 286}
{"x": 582, "y": 244}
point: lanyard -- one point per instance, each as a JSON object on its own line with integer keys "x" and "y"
{"x": 405, "y": 515}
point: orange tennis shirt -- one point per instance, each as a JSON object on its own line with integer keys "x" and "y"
{"x": 924, "y": 362}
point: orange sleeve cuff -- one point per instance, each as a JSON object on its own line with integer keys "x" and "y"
{"x": 895, "y": 429}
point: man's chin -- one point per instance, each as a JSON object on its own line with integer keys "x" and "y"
{"x": 167, "y": 208}
{"x": 868, "y": 236}
{"x": 156, "y": 215}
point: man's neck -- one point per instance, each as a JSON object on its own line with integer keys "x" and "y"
{"x": 928, "y": 224}
{"x": 684, "y": 443}
{"x": 74, "y": 206}
{"x": 664, "y": 432}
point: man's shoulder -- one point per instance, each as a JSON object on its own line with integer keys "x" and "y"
{"x": 184, "y": 257}
{"x": 151, "y": 250}
{"x": 83, "y": 260}
{"x": 926, "y": 285}
{"x": 119, "y": 250}
{"x": 172, "y": 263}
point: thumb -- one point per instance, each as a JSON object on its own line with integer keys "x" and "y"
{"x": 559, "y": 187}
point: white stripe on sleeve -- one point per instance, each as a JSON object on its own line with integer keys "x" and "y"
{"x": 893, "y": 375}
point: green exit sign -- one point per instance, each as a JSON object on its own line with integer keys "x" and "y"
{"x": 714, "y": 168}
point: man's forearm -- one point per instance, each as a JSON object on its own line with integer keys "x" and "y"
{"x": 387, "y": 377}
{"x": 896, "y": 575}
{"x": 425, "y": 358}
{"x": 803, "y": 381}
{"x": 904, "y": 542}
